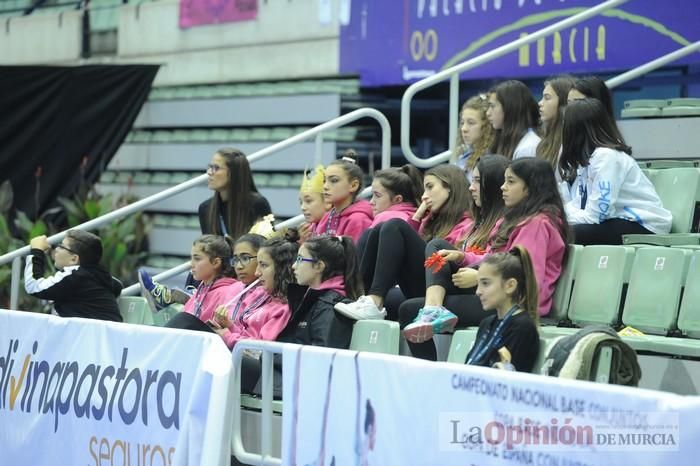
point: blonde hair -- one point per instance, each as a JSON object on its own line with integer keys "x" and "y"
{"x": 479, "y": 103}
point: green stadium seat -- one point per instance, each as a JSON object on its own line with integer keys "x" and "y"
{"x": 161, "y": 220}
{"x": 193, "y": 222}
{"x": 643, "y": 108}
{"x": 281, "y": 133}
{"x": 108, "y": 177}
{"x": 142, "y": 177}
{"x": 664, "y": 163}
{"x": 178, "y": 221}
{"x": 180, "y": 135}
{"x": 261, "y": 179}
{"x": 240, "y": 135}
{"x": 678, "y": 189}
{"x": 162, "y": 317}
{"x": 199, "y": 135}
{"x": 598, "y": 282}
{"x": 135, "y": 310}
{"x": 220, "y": 135}
{"x": 260, "y": 134}
{"x": 682, "y": 107}
{"x": 462, "y": 342}
{"x": 180, "y": 177}
{"x": 375, "y": 336}
{"x": 562, "y": 293}
{"x": 689, "y": 315}
{"x": 123, "y": 177}
{"x": 160, "y": 178}
{"x": 654, "y": 292}
{"x": 141, "y": 137}
{"x": 279, "y": 180}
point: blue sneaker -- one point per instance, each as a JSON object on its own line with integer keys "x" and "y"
{"x": 431, "y": 320}
{"x": 157, "y": 295}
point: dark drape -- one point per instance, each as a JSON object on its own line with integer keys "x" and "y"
{"x": 60, "y": 126}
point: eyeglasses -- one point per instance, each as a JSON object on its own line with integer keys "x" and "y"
{"x": 212, "y": 167}
{"x": 243, "y": 259}
{"x": 61, "y": 246}
{"x": 301, "y": 259}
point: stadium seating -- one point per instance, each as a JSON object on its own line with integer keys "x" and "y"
{"x": 135, "y": 310}
{"x": 376, "y": 336}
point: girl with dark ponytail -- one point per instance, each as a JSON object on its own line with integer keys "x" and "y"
{"x": 507, "y": 284}
{"x": 327, "y": 272}
{"x": 396, "y": 193}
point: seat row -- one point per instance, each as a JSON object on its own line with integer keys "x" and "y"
{"x": 326, "y": 86}
{"x": 235, "y": 135}
{"x": 655, "y": 290}
{"x": 262, "y": 179}
{"x": 642, "y": 108}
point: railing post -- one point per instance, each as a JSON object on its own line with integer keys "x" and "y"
{"x": 14, "y": 283}
{"x": 454, "y": 111}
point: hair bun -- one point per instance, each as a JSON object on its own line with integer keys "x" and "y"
{"x": 292, "y": 235}
{"x": 350, "y": 156}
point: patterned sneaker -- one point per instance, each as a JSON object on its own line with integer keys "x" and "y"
{"x": 363, "y": 308}
{"x": 157, "y": 295}
{"x": 431, "y": 320}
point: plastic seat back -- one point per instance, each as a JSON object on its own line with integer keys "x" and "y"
{"x": 678, "y": 189}
{"x": 134, "y": 310}
{"x": 689, "y": 315}
{"x": 654, "y": 292}
{"x": 562, "y": 293}
{"x": 375, "y": 336}
{"x": 601, "y": 273}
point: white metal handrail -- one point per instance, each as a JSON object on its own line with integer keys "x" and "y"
{"x": 652, "y": 65}
{"x": 15, "y": 256}
{"x": 453, "y": 73}
{"x": 264, "y": 458}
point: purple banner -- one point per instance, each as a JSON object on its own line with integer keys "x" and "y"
{"x": 201, "y": 12}
{"x": 401, "y": 41}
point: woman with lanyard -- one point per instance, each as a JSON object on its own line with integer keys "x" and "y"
{"x": 507, "y": 284}
{"x": 236, "y": 204}
{"x": 261, "y": 310}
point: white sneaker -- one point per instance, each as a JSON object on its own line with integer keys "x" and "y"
{"x": 363, "y": 308}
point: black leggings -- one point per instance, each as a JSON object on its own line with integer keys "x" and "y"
{"x": 393, "y": 253}
{"x": 467, "y": 308}
{"x": 608, "y": 232}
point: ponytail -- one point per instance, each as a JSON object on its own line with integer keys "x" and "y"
{"x": 516, "y": 264}
{"x": 339, "y": 255}
{"x": 406, "y": 182}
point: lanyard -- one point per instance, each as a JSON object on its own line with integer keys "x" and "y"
{"x": 491, "y": 340}
{"x": 583, "y": 189}
{"x": 224, "y": 230}
{"x": 262, "y": 300}
{"x": 199, "y": 297}
{"x": 332, "y": 223}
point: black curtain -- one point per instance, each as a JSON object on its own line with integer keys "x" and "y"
{"x": 60, "y": 126}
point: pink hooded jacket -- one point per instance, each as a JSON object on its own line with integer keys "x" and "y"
{"x": 403, "y": 211}
{"x": 336, "y": 284}
{"x": 256, "y": 315}
{"x": 457, "y": 232}
{"x": 546, "y": 247}
{"x": 221, "y": 291}
{"x": 352, "y": 221}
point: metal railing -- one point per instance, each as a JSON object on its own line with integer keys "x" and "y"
{"x": 652, "y": 65}
{"x": 265, "y": 457}
{"x": 16, "y": 256}
{"x": 453, "y": 73}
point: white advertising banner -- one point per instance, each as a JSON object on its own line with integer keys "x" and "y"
{"x": 85, "y": 392}
{"x": 367, "y": 409}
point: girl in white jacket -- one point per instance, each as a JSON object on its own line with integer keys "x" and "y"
{"x": 609, "y": 196}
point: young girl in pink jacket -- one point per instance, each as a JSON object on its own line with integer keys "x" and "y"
{"x": 348, "y": 215}
{"x": 396, "y": 193}
{"x": 534, "y": 219}
{"x": 260, "y": 311}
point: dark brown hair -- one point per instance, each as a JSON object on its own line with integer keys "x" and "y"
{"x": 520, "y": 113}
{"x": 457, "y": 204}
{"x": 239, "y": 213}
{"x": 516, "y": 264}
{"x": 339, "y": 255}
{"x": 406, "y": 182}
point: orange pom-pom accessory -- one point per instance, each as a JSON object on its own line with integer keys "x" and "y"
{"x": 435, "y": 262}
